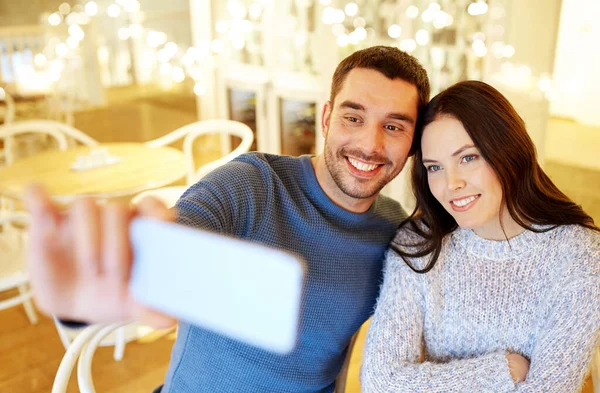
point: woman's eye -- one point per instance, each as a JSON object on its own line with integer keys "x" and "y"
{"x": 469, "y": 158}
{"x": 433, "y": 168}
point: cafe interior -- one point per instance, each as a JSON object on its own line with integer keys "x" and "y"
{"x": 120, "y": 99}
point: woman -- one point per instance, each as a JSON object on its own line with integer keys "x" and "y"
{"x": 493, "y": 284}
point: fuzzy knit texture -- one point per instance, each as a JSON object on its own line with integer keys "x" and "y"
{"x": 449, "y": 330}
{"x": 277, "y": 201}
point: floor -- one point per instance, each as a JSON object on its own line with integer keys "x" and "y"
{"x": 29, "y": 355}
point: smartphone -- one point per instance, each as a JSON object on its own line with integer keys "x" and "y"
{"x": 234, "y": 287}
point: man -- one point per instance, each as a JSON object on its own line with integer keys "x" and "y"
{"x": 325, "y": 208}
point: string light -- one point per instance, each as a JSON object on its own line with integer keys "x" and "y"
{"x": 76, "y": 32}
{"x": 351, "y": 9}
{"x": 478, "y": 8}
{"x": 64, "y": 8}
{"x": 91, "y": 8}
{"x": 62, "y": 49}
{"x": 343, "y": 40}
{"x": 408, "y": 45}
{"x": 233, "y": 34}
{"x": 359, "y": 22}
{"x": 54, "y": 19}
{"x": 113, "y": 10}
{"x": 199, "y": 89}
{"x": 72, "y": 42}
{"x": 479, "y": 48}
{"x": 338, "y": 29}
{"x": 422, "y": 37}
{"x": 40, "y": 60}
{"x": 394, "y": 31}
{"x": 412, "y": 12}
{"x": 508, "y": 51}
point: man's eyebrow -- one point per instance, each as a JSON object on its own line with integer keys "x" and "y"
{"x": 402, "y": 117}
{"x": 393, "y": 115}
{"x": 352, "y": 105}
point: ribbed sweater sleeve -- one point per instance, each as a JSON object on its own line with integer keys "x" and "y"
{"x": 394, "y": 350}
{"x": 569, "y": 338}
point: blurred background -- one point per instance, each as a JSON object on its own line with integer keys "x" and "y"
{"x": 135, "y": 70}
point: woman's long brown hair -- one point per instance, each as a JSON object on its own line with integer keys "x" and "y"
{"x": 500, "y": 135}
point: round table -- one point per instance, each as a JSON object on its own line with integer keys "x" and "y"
{"x": 140, "y": 168}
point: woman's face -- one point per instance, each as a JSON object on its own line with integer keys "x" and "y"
{"x": 460, "y": 179}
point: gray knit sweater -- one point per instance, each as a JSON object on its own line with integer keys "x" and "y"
{"x": 449, "y": 330}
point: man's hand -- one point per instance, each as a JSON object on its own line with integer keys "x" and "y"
{"x": 518, "y": 367}
{"x": 80, "y": 260}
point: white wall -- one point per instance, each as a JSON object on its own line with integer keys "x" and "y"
{"x": 577, "y": 64}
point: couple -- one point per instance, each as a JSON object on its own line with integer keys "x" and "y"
{"x": 490, "y": 286}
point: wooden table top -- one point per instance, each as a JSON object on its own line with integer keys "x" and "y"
{"x": 141, "y": 168}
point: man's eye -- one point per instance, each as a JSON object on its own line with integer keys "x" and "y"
{"x": 352, "y": 119}
{"x": 392, "y": 127}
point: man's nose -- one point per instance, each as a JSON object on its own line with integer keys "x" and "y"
{"x": 372, "y": 140}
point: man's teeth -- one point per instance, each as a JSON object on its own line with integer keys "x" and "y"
{"x": 362, "y": 166}
{"x": 464, "y": 202}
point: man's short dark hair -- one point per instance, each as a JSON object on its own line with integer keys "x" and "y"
{"x": 391, "y": 62}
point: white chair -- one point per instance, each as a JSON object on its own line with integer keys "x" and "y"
{"x": 81, "y": 352}
{"x": 9, "y": 112}
{"x": 59, "y": 131}
{"x": 118, "y": 339}
{"x": 192, "y": 131}
{"x": 12, "y": 262}
{"x": 170, "y": 195}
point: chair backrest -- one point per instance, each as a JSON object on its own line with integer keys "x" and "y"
{"x": 12, "y": 244}
{"x": 9, "y": 116}
{"x": 81, "y": 352}
{"x": 226, "y": 127}
{"x": 192, "y": 131}
{"x": 59, "y": 131}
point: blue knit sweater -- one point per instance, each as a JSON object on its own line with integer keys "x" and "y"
{"x": 276, "y": 200}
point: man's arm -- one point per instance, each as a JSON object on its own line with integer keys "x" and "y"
{"x": 80, "y": 262}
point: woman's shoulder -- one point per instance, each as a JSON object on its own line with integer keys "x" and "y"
{"x": 580, "y": 246}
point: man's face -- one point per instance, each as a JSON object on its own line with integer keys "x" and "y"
{"x": 368, "y": 132}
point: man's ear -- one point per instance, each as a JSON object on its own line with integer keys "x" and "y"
{"x": 325, "y": 118}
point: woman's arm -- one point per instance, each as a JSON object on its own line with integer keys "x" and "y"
{"x": 393, "y": 360}
{"x": 570, "y": 336}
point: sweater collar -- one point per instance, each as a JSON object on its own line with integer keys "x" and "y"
{"x": 523, "y": 243}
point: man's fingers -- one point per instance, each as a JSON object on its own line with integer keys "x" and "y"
{"x": 116, "y": 250}
{"x": 37, "y": 200}
{"x": 153, "y": 318}
{"x": 87, "y": 235}
{"x": 153, "y": 208}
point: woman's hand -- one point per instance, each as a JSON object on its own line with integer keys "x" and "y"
{"x": 518, "y": 367}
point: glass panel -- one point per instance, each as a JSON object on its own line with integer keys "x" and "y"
{"x": 242, "y": 108}
{"x": 297, "y": 127}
